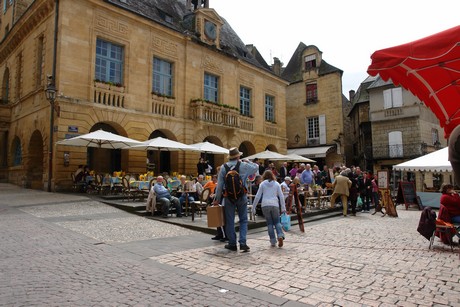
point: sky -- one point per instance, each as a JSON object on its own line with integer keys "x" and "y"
{"x": 347, "y": 32}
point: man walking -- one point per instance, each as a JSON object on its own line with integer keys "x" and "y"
{"x": 244, "y": 169}
{"x": 341, "y": 187}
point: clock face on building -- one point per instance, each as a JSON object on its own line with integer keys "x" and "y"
{"x": 210, "y": 30}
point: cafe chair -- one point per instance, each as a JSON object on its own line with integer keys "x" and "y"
{"x": 202, "y": 203}
{"x": 101, "y": 186}
{"x": 77, "y": 186}
{"x": 127, "y": 191}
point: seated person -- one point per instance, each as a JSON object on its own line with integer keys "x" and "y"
{"x": 185, "y": 189}
{"x": 79, "y": 174}
{"x": 165, "y": 199}
{"x": 451, "y": 201}
{"x": 199, "y": 186}
{"x": 212, "y": 188}
{"x": 285, "y": 189}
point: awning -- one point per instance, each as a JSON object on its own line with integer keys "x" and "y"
{"x": 311, "y": 152}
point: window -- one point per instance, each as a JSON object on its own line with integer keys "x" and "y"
{"x": 245, "y": 101}
{"x": 316, "y": 130}
{"x": 310, "y": 61}
{"x": 39, "y": 61}
{"x": 162, "y": 77}
{"x": 312, "y": 93}
{"x": 109, "y": 62}
{"x": 18, "y": 76}
{"x": 5, "y": 86}
{"x": 435, "y": 137}
{"x": 395, "y": 145}
{"x": 269, "y": 108}
{"x": 392, "y": 98}
{"x": 17, "y": 152}
{"x": 211, "y": 87}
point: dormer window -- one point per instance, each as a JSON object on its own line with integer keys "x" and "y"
{"x": 310, "y": 61}
{"x": 166, "y": 17}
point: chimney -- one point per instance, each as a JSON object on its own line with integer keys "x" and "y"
{"x": 351, "y": 93}
{"x": 276, "y": 67}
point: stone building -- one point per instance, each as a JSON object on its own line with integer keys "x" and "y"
{"x": 140, "y": 69}
{"x": 314, "y": 107}
{"x": 361, "y": 127}
{"x": 402, "y": 127}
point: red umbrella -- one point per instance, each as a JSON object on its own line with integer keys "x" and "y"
{"x": 430, "y": 69}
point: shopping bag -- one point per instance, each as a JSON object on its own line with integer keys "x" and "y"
{"x": 285, "y": 221}
{"x": 359, "y": 202}
{"x": 215, "y": 216}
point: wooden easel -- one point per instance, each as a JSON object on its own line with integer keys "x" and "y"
{"x": 294, "y": 197}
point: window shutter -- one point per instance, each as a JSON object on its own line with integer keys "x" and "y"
{"x": 397, "y": 97}
{"x": 395, "y": 144}
{"x": 322, "y": 129}
{"x": 387, "y": 99}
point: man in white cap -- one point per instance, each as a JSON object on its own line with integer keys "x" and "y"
{"x": 244, "y": 168}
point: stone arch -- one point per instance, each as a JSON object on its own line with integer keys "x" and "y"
{"x": 104, "y": 160}
{"x": 271, "y": 147}
{"x": 163, "y": 161}
{"x": 214, "y": 159}
{"x": 247, "y": 148}
{"x": 35, "y": 161}
{"x": 5, "y": 86}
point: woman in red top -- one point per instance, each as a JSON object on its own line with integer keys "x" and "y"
{"x": 451, "y": 201}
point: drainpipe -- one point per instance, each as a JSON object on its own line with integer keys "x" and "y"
{"x": 52, "y": 101}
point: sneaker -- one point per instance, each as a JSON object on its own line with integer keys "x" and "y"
{"x": 217, "y": 238}
{"x": 224, "y": 240}
{"x": 280, "y": 241}
{"x": 363, "y": 211}
{"x": 244, "y": 247}
{"x": 231, "y": 247}
{"x": 273, "y": 244}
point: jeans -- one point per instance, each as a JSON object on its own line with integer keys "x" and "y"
{"x": 182, "y": 200}
{"x": 272, "y": 216}
{"x": 240, "y": 205}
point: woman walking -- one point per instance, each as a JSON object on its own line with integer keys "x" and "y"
{"x": 272, "y": 204}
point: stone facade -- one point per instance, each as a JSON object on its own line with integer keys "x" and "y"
{"x": 131, "y": 108}
{"x": 324, "y": 101}
{"x": 416, "y": 130}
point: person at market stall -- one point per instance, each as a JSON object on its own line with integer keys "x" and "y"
{"x": 451, "y": 201}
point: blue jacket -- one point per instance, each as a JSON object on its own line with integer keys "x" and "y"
{"x": 246, "y": 169}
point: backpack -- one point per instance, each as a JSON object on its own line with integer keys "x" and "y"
{"x": 234, "y": 187}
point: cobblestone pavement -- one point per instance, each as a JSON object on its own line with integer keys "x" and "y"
{"x": 66, "y": 250}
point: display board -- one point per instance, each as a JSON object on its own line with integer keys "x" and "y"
{"x": 383, "y": 179}
{"x": 407, "y": 194}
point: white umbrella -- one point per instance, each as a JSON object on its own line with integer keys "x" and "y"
{"x": 100, "y": 139}
{"x": 298, "y": 158}
{"x": 268, "y": 155}
{"x": 210, "y": 148}
{"x": 436, "y": 161}
{"x": 162, "y": 144}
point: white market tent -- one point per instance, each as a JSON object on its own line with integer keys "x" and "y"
{"x": 436, "y": 162}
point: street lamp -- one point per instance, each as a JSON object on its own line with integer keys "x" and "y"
{"x": 50, "y": 93}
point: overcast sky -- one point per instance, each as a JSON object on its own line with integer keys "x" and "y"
{"x": 346, "y": 31}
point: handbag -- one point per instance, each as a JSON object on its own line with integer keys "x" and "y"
{"x": 285, "y": 221}
{"x": 359, "y": 202}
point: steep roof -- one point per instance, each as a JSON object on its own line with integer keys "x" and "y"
{"x": 183, "y": 22}
{"x": 293, "y": 70}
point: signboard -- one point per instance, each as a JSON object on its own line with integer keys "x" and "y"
{"x": 72, "y": 129}
{"x": 406, "y": 194}
{"x": 383, "y": 179}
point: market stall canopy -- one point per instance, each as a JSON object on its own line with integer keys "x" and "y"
{"x": 268, "y": 155}
{"x": 100, "y": 139}
{"x": 160, "y": 143}
{"x": 210, "y": 148}
{"x": 430, "y": 69}
{"x": 433, "y": 162}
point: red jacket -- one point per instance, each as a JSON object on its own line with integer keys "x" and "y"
{"x": 452, "y": 203}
